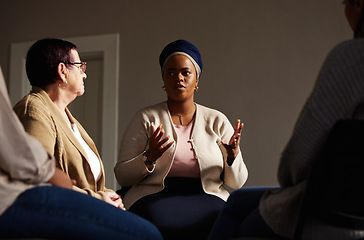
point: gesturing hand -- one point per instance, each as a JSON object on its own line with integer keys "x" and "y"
{"x": 232, "y": 148}
{"x": 156, "y": 142}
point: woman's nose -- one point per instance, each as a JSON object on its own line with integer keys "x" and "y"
{"x": 180, "y": 77}
{"x": 84, "y": 76}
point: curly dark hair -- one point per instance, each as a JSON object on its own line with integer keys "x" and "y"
{"x": 43, "y": 58}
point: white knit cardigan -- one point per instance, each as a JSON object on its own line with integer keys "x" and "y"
{"x": 210, "y": 127}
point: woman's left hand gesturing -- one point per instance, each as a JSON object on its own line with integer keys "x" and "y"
{"x": 232, "y": 148}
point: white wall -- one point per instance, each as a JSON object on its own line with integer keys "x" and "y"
{"x": 261, "y": 57}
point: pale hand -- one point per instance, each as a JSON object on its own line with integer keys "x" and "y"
{"x": 61, "y": 179}
{"x": 114, "y": 199}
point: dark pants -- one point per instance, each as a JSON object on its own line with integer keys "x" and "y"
{"x": 240, "y": 216}
{"x": 182, "y": 210}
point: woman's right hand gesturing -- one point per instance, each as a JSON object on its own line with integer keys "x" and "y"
{"x": 156, "y": 148}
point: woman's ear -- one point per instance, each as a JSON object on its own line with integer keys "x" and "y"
{"x": 62, "y": 72}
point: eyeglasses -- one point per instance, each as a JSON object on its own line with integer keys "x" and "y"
{"x": 82, "y": 67}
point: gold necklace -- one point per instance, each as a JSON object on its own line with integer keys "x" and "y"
{"x": 180, "y": 115}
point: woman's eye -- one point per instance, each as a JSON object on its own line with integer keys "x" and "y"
{"x": 186, "y": 73}
{"x": 170, "y": 73}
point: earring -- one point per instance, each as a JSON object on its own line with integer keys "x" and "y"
{"x": 64, "y": 86}
{"x": 196, "y": 88}
{"x": 164, "y": 88}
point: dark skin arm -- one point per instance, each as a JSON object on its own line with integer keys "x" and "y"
{"x": 156, "y": 148}
{"x": 232, "y": 148}
{"x": 156, "y": 142}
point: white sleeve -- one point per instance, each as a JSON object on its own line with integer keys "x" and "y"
{"x": 22, "y": 157}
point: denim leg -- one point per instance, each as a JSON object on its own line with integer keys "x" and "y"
{"x": 238, "y": 206}
{"x": 58, "y": 213}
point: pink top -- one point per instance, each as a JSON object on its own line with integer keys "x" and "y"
{"x": 184, "y": 163}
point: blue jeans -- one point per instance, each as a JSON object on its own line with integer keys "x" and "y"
{"x": 240, "y": 216}
{"x": 58, "y": 213}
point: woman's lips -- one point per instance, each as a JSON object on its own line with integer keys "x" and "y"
{"x": 180, "y": 87}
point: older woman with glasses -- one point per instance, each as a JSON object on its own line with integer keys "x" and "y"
{"x": 57, "y": 75}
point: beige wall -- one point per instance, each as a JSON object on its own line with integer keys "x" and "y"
{"x": 260, "y": 57}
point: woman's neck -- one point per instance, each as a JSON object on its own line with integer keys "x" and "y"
{"x": 182, "y": 113}
{"x": 181, "y": 108}
{"x": 59, "y": 99}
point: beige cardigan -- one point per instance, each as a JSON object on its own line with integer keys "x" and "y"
{"x": 210, "y": 128}
{"x": 42, "y": 120}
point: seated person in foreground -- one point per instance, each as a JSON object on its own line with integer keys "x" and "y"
{"x": 337, "y": 95}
